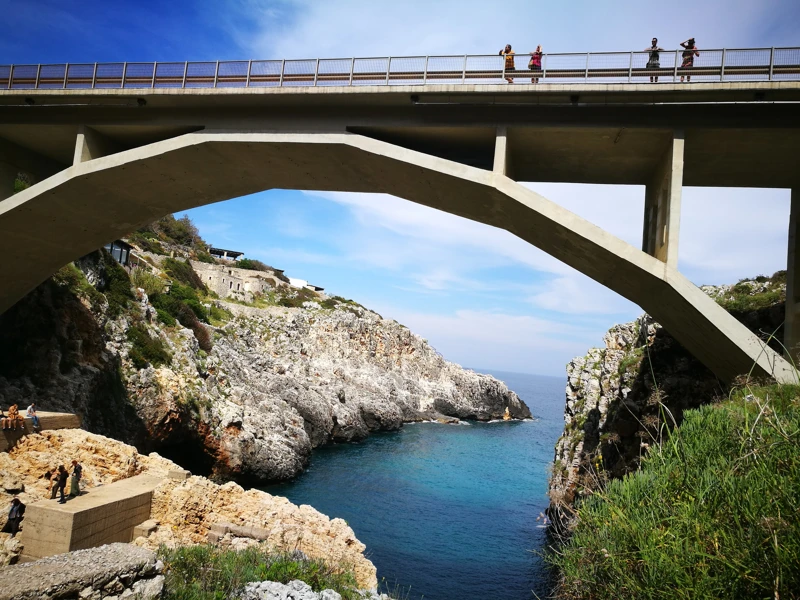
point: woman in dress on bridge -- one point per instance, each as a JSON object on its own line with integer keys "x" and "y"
{"x": 535, "y": 63}
{"x": 688, "y": 56}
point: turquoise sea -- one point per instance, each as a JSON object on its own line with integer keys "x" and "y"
{"x": 448, "y": 512}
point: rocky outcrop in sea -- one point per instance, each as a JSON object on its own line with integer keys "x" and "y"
{"x": 625, "y": 397}
{"x": 276, "y": 383}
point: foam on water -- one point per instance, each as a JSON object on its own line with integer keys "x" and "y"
{"x": 448, "y": 511}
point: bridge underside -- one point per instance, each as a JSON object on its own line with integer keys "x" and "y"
{"x": 98, "y": 199}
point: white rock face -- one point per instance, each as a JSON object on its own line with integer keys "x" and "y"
{"x": 282, "y": 381}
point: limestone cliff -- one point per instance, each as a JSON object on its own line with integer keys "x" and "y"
{"x": 184, "y": 509}
{"x": 624, "y": 397}
{"x": 271, "y": 382}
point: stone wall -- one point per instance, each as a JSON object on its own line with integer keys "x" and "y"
{"x": 111, "y": 572}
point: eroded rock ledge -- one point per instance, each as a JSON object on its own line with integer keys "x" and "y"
{"x": 184, "y": 509}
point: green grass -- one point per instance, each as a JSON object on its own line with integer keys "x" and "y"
{"x": 210, "y": 573}
{"x": 713, "y": 513}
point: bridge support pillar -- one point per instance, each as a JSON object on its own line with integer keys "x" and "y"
{"x": 662, "y": 208}
{"x": 791, "y": 324}
{"x": 501, "y": 153}
{"x": 91, "y": 144}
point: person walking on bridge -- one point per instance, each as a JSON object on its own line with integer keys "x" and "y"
{"x": 688, "y": 56}
{"x": 508, "y": 53}
{"x": 535, "y": 63}
{"x": 653, "y": 59}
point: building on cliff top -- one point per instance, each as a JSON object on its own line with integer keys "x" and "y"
{"x": 303, "y": 284}
{"x": 231, "y": 282}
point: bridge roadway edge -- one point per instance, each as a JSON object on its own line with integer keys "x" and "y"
{"x": 82, "y": 207}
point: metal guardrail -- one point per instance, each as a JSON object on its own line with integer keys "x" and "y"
{"x": 750, "y": 64}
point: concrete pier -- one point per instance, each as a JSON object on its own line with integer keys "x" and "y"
{"x": 102, "y": 515}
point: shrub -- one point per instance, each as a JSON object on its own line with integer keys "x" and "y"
{"x": 253, "y": 265}
{"x": 209, "y": 573}
{"x": 117, "y": 288}
{"x": 21, "y": 182}
{"x": 182, "y": 271}
{"x": 712, "y": 513}
{"x": 166, "y": 318}
{"x": 146, "y": 349}
{"x": 72, "y": 278}
{"x": 219, "y": 315}
{"x": 147, "y": 241}
{"x": 151, "y": 283}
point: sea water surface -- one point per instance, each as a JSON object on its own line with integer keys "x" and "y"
{"x": 447, "y": 512}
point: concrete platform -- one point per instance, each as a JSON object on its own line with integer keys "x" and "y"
{"x": 47, "y": 420}
{"x": 102, "y": 515}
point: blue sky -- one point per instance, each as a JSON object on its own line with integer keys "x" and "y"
{"x": 482, "y": 297}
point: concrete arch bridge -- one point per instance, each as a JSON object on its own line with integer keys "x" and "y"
{"x": 106, "y": 161}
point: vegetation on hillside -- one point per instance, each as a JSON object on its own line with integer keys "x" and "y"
{"x": 755, "y": 293}
{"x": 183, "y": 302}
{"x": 256, "y": 265}
{"x": 210, "y": 573}
{"x": 171, "y": 231}
{"x": 713, "y": 513}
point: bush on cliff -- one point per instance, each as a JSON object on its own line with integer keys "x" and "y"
{"x": 146, "y": 349}
{"x": 712, "y": 514}
{"x": 182, "y": 271}
{"x": 210, "y": 573}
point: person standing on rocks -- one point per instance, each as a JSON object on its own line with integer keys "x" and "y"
{"x": 75, "y": 480}
{"x": 61, "y": 484}
{"x": 14, "y": 517}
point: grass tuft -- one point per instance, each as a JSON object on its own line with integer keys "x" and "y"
{"x": 713, "y": 513}
{"x": 211, "y": 573}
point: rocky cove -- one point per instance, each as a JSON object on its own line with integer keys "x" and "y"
{"x": 276, "y": 382}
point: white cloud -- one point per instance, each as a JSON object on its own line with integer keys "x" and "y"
{"x": 580, "y": 295}
{"x": 344, "y": 28}
{"x": 500, "y": 341}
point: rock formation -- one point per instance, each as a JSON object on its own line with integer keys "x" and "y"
{"x": 623, "y": 398}
{"x": 184, "y": 510}
{"x": 278, "y": 381}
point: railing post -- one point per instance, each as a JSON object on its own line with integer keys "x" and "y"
{"x": 283, "y": 68}
{"x": 586, "y": 72}
{"x": 94, "y": 76}
{"x": 722, "y": 67}
{"x": 352, "y": 68}
{"x": 464, "y": 71}
{"x": 504, "y": 65}
{"x": 216, "y": 74}
{"x": 544, "y": 67}
{"x": 425, "y": 71}
{"x": 39, "y": 74}
{"x": 10, "y": 76}
{"x": 771, "y": 61}
{"x": 388, "y": 69}
{"x": 124, "y": 71}
{"x": 153, "y": 81}
{"x": 630, "y": 68}
{"x": 185, "y": 72}
{"x": 316, "y": 73}
{"x": 675, "y": 72}
{"x": 66, "y": 75}
{"x": 249, "y": 69}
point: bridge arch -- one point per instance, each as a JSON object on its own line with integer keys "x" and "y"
{"x": 82, "y": 207}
